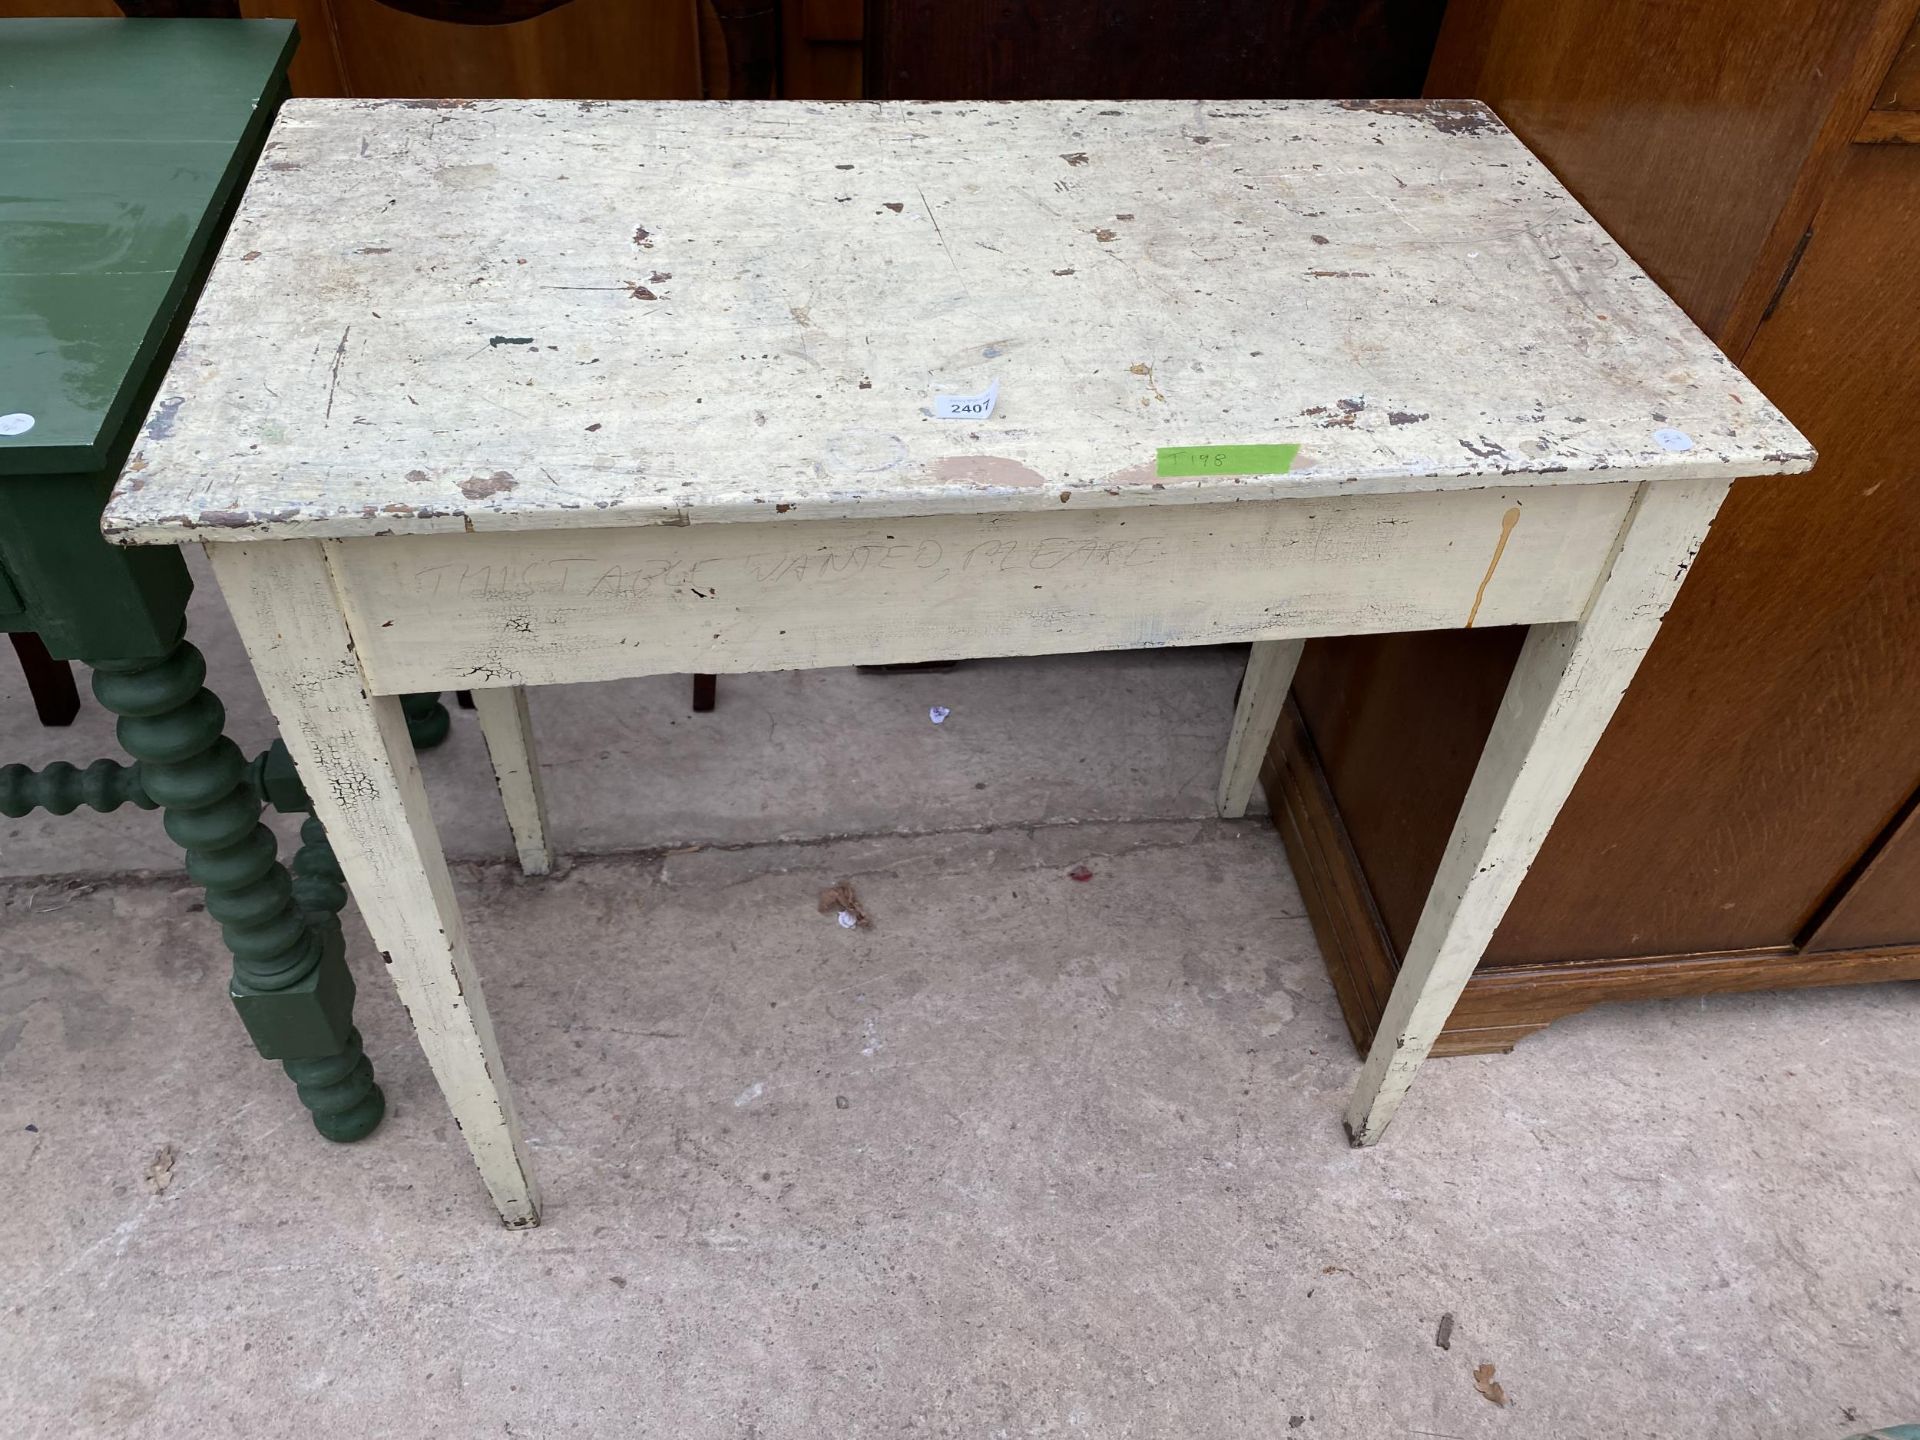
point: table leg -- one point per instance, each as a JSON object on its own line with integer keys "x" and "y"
{"x": 509, "y": 735}
{"x": 353, "y": 752}
{"x": 427, "y": 719}
{"x": 291, "y": 984}
{"x": 1263, "y": 691}
{"x": 1569, "y": 679}
{"x": 56, "y": 699}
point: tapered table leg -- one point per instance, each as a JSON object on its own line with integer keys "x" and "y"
{"x": 56, "y": 700}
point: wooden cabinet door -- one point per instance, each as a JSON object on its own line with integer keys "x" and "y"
{"x": 1774, "y": 732}
{"x": 1843, "y": 343}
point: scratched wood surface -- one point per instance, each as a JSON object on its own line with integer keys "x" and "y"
{"x": 536, "y": 314}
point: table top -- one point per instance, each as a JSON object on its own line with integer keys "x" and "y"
{"x": 490, "y": 315}
{"x": 118, "y": 141}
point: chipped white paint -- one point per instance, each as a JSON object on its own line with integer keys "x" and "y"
{"x": 358, "y": 763}
{"x": 541, "y": 608}
{"x": 493, "y": 376}
{"x": 509, "y": 735}
{"x": 1564, "y": 689}
{"x": 1263, "y": 691}
{"x": 514, "y": 314}
{"x": 752, "y": 1093}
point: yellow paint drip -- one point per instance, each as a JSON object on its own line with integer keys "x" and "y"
{"x": 1507, "y": 522}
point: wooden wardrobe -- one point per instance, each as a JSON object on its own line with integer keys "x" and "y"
{"x": 1751, "y": 818}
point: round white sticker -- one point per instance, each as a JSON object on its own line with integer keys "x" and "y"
{"x": 1673, "y": 439}
{"x": 17, "y": 423}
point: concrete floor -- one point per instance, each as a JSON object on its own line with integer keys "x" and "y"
{"x": 1032, "y": 1156}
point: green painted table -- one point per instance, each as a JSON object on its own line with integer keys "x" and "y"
{"x": 124, "y": 145}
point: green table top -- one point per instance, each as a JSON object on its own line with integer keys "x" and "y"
{"x": 120, "y": 141}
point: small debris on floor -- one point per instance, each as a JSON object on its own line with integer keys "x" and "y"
{"x": 1444, "y": 1336}
{"x": 160, "y": 1172}
{"x": 1294, "y": 1422}
{"x": 840, "y": 1102}
{"x": 1484, "y": 1382}
{"x": 938, "y": 714}
{"x": 840, "y": 899}
{"x": 1080, "y": 873}
{"x": 72, "y": 890}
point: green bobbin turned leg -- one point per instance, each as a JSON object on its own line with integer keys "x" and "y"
{"x": 331, "y": 1084}
{"x": 427, "y": 719}
{"x": 290, "y": 980}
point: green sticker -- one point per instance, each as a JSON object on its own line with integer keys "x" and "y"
{"x": 1180, "y": 461}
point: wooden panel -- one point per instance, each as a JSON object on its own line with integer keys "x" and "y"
{"x": 1889, "y": 127}
{"x": 1371, "y": 704}
{"x": 587, "y": 49}
{"x": 315, "y": 70}
{"x": 843, "y": 20}
{"x": 555, "y": 606}
{"x": 1771, "y": 735}
{"x": 1790, "y": 660}
{"x": 73, "y": 9}
{"x": 1901, "y": 89}
{"x": 1680, "y": 126}
{"x": 316, "y": 64}
{"x": 820, "y": 53}
{"x": 1502, "y": 1006}
{"x": 180, "y": 9}
{"x": 1880, "y": 905}
{"x": 739, "y": 47}
{"x": 1148, "y": 49}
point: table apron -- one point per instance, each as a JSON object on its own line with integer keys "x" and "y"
{"x": 434, "y": 612}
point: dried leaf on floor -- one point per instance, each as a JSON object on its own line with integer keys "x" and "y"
{"x": 1484, "y": 1382}
{"x": 159, "y": 1173}
{"x": 842, "y": 899}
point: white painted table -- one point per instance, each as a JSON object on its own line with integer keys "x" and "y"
{"x": 488, "y": 395}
